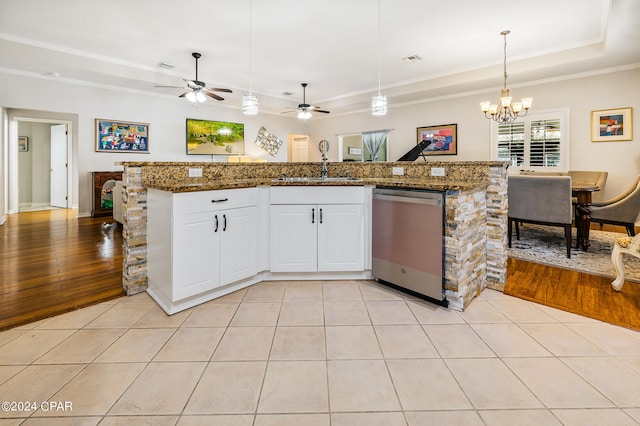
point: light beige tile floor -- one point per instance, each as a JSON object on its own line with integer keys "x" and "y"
{"x": 320, "y": 353}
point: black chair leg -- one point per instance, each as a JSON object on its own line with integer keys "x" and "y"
{"x": 509, "y": 229}
{"x": 567, "y": 237}
{"x": 517, "y": 230}
{"x": 631, "y": 229}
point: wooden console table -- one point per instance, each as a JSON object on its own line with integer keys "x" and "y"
{"x": 102, "y": 195}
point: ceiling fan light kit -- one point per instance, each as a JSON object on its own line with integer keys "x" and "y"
{"x": 198, "y": 91}
{"x": 305, "y": 111}
{"x": 195, "y": 97}
{"x": 506, "y": 112}
{"x": 304, "y": 114}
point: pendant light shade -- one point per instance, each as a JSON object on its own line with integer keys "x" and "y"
{"x": 250, "y": 104}
{"x": 379, "y": 105}
{"x": 250, "y": 101}
{"x": 379, "y": 102}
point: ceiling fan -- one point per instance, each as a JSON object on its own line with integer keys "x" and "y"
{"x": 197, "y": 89}
{"x": 305, "y": 111}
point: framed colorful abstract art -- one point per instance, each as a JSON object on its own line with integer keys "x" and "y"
{"x": 610, "y": 125}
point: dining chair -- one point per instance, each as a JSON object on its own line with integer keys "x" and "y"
{"x": 622, "y": 210}
{"x": 542, "y": 200}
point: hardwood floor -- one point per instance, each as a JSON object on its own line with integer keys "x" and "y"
{"x": 52, "y": 262}
{"x": 578, "y": 292}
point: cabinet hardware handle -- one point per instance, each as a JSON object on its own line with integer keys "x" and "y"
{"x": 224, "y": 216}
{"x": 320, "y": 215}
{"x": 221, "y": 200}
{"x": 216, "y": 230}
{"x": 313, "y": 215}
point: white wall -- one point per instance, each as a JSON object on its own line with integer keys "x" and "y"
{"x": 579, "y": 95}
{"x": 36, "y": 97}
{"x": 167, "y": 114}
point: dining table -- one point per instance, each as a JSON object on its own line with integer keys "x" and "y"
{"x": 582, "y": 192}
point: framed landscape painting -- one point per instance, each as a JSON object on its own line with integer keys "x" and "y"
{"x": 611, "y": 125}
{"x": 440, "y": 140}
{"x": 122, "y": 136}
{"x": 205, "y": 137}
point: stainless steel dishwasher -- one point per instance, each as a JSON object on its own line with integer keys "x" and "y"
{"x": 408, "y": 241}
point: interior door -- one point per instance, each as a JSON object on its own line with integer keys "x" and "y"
{"x": 300, "y": 149}
{"x": 59, "y": 165}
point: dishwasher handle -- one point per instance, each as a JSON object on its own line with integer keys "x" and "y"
{"x": 402, "y": 198}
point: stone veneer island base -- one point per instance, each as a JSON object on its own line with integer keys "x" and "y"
{"x": 475, "y": 224}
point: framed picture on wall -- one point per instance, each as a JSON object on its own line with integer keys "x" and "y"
{"x": 122, "y": 136}
{"x": 439, "y": 140}
{"x": 214, "y": 137}
{"x": 611, "y": 125}
{"x": 23, "y": 143}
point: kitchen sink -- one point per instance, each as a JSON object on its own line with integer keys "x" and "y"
{"x": 316, "y": 179}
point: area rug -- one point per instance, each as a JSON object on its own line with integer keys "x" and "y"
{"x": 546, "y": 245}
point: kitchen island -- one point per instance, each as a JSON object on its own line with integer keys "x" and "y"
{"x": 475, "y": 224}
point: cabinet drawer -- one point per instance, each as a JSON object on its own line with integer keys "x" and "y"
{"x": 317, "y": 195}
{"x": 203, "y": 201}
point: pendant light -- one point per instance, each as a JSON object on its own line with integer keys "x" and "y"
{"x": 505, "y": 111}
{"x": 379, "y": 102}
{"x": 250, "y": 101}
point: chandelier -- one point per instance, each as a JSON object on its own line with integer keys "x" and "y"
{"x": 506, "y": 112}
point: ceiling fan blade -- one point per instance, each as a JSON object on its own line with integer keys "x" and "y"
{"x": 171, "y": 87}
{"x": 213, "y": 95}
{"x": 218, "y": 89}
{"x": 290, "y": 111}
{"x": 321, "y": 110}
{"x": 184, "y": 94}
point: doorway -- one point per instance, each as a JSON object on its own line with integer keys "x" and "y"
{"x": 41, "y": 178}
{"x": 298, "y": 151}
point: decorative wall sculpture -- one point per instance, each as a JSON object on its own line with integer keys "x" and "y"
{"x": 268, "y": 141}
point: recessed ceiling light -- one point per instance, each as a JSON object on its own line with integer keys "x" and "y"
{"x": 287, "y": 93}
{"x": 52, "y": 74}
{"x": 412, "y": 58}
{"x": 166, "y": 65}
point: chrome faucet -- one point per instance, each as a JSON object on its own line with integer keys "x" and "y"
{"x": 324, "y": 147}
{"x": 325, "y": 172}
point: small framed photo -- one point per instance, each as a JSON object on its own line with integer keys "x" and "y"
{"x": 439, "y": 140}
{"x": 354, "y": 150}
{"x": 122, "y": 136}
{"x": 23, "y": 143}
{"x": 611, "y": 125}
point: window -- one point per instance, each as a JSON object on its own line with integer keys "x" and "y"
{"x": 536, "y": 142}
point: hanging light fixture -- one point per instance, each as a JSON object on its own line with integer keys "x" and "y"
{"x": 196, "y": 96}
{"x": 250, "y": 101}
{"x": 506, "y": 112}
{"x": 379, "y": 102}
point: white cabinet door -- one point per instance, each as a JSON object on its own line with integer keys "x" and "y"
{"x": 196, "y": 256}
{"x": 294, "y": 246}
{"x": 238, "y": 249}
{"x": 341, "y": 237}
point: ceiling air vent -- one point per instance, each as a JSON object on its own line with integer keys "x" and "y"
{"x": 412, "y": 58}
